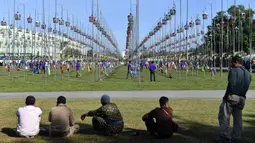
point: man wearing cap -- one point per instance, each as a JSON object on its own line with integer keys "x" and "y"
{"x": 28, "y": 119}
{"x": 62, "y": 120}
{"x": 233, "y": 103}
{"x": 107, "y": 119}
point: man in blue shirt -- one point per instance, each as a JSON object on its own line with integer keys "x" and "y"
{"x": 152, "y": 69}
{"x": 129, "y": 70}
{"x": 78, "y": 68}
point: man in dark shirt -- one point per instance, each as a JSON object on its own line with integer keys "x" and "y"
{"x": 233, "y": 102}
{"x": 129, "y": 70}
{"x": 152, "y": 69}
{"x": 164, "y": 127}
{"x": 78, "y": 68}
{"x": 107, "y": 119}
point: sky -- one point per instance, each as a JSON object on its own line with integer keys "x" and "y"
{"x": 115, "y": 12}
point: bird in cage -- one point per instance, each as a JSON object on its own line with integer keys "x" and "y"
{"x": 67, "y": 24}
{"x": 173, "y": 11}
{"x": 17, "y": 16}
{"x": 186, "y": 27}
{"x": 3, "y": 22}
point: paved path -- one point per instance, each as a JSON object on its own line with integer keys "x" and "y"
{"x": 191, "y": 94}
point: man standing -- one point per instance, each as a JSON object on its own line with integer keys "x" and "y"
{"x": 107, "y": 119}
{"x": 152, "y": 69}
{"x": 129, "y": 70}
{"x": 78, "y": 68}
{"x": 164, "y": 127}
{"x": 233, "y": 102}
{"x": 28, "y": 119}
{"x": 62, "y": 120}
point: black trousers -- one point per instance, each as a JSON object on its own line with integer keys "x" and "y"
{"x": 152, "y": 75}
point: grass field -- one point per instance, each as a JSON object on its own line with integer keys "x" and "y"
{"x": 33, "y": 82}
{"x": 197, "y": 119}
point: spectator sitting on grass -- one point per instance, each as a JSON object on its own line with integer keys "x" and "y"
{"x": 28, "y": 119}
{"x": 107, "y": 119}
{"x": 164, "y": 127}
{"x": 62, "y": 120}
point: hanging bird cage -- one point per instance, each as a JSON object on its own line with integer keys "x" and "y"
{"x": 3, "y": 22}
{"x": 92, "y": 19}
{"x": 40, "y": 34}
{"x": 190, "y": 37}
{"x": 164, "y": 21}
{"x": 61, "y": 21}
{"x": 173, "y": 34}
{"x": 198, "y": 21}
{"x": 43, "y": 26}
{"x": 209, "y": 27}
{"x": 17, "y": 16}
{"x": 205, "y": 15}
{"x": 191, "y": 24}
{"x": 130, "y": 17}
{"x": 243, "y": 15}
{"x": 37, "y": 24}
{"x": 55, "y": 31}
{"x": 186, "y": 27}
{"x": 67, "y": 24}
{"x": 202, "y": 32}
{"x": 29, "y": 19}
{"x": 72, "y": 27}
{"x": 193, "y": 36}
{"x": 20, "y": 29}
{"x": 55, "y": 20}
{"x": 49, "y": 29}
{"x": 151, "y": 33}
{"x": 173, "y": 11}
{"x": 181, "y": 29}
{"x": 27, "y": 31}
{"x": 236, "y": 28}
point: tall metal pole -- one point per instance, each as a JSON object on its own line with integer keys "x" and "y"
{"x": 92, "y": 63}
{"x": 250, "y": 36}
{"x": 55, "y": 44}
{"x": 222, "y": 30}
{"x": 187, "y": 37}
{"x": 13, "y": 40}
{"x": 137, "y": 35}
{"x": 44, "y": 46}
{"x": 233, "y": 28}
{"x": 211, "y": 50}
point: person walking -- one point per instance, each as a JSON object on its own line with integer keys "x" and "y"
{"x": 152, "y": 69}
{"x": 233, "y": 103}
{"x": 129, "y": 70}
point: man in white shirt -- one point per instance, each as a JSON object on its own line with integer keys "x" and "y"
{"x": 28, "y": 119}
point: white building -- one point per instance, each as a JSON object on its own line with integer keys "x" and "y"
{"x": 35, "y": 43}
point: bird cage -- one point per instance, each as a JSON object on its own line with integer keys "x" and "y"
{"x": 92, "y": 19}
{"x": 72, "y": 27}
{"x": 202, "y": 32}
{"x": 55, "y": 20}
{"x": 37, "y": 24}
{"x": 28, "y": 37}
{"x": 40, "y": 34}
{"x": 173, "y": 34}
{"x": 205, "y": 15}
{"x": 17, "y": 16}
{"x": 130, "y": 17}
{"x": 193, "y": 36}
{"x": 164, "y": 21}
{"x": 222, "y": 22}
{"x": 55, "y": 31}
{"x": 186, "y": 27}
{"x": 209, "y": 27}
{"x": 191, "y": 23}
{"x": 190, "y": 37}
{"x": 181, "y": 29}
{"x": 43, "y": 26}
{"x": 49, "y": 29}
{"x": 198, "y": 21}
{"x": 173, "y": 11}
{"x": 29, "y": 19}
{"x": 61, "y": 21}
{"x": 67, "y": 24}
{"x": 33, "y": 33}
{"x": 243, "y": 15}
{"x": 236, "y": 28}
{"x": 20, "y": 29}
{"x": 151, "y": 34}
{"x": 3, "y": 22}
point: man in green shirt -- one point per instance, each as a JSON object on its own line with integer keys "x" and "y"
{"x": 233, "y": 102}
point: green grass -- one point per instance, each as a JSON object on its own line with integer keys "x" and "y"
{"x": 197, "y": 119}
{"x": 117, "y": 81}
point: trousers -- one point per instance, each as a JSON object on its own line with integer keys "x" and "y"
{"x": 233, "y": 106}
{"x": 152, "y": 76}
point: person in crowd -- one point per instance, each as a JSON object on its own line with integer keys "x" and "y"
{"x": 78, "y": 68}
{"x": 28, "y": 119}
{"x": 62, "y": 120}
{"x": 233, "y": 103}
{"x": 152, "y": 69}
{"x": 129, "y": 70}
{"x": 164, "y": 127}
{"x": 107, "y": 119}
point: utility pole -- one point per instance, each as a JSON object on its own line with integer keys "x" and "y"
{"x": 137, "y": 37}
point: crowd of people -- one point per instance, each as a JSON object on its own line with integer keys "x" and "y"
{"x": 108, "y": 120}
{"x": 45, "y": 66}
